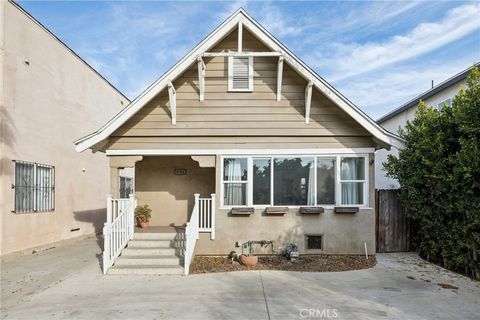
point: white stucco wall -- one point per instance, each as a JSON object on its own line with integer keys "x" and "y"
{"x": 399, "y": 121}
{"x": 46, "y": 104}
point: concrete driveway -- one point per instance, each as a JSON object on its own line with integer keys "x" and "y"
{"x": 66, "y": 283}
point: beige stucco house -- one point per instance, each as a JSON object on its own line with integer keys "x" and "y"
{"x": 396, "y": 119}
{"x": 240, "y": 140}
{"x": 48, "y": 97}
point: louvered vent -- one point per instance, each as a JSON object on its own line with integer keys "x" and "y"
{"x": 240, "y": 77}
{"x": 240, "y": 73}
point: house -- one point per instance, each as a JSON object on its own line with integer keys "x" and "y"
{"x": 240, "y": 140}
{"x": 436, "y": 97}
{"x": 49, "y": 96}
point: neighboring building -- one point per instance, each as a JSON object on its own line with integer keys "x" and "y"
{"x": 436, "y": 97}
{"x": 49, "y": 96}
{"x": 241, "y": 117}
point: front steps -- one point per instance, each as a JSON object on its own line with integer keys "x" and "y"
{"x": 151, "y": 253}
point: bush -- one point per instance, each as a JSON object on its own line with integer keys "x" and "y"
{"x": 143, "y": 213}
{"x": 439, "y": 171}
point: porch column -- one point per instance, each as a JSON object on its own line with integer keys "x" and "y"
{"x": 116, "y": 164}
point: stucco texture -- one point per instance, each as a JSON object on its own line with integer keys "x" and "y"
{"x": 50, "y": 98}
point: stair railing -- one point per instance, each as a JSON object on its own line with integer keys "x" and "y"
{"x": 118, "y": 229}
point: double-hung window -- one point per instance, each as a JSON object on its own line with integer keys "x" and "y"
{"x": 295, "y": 181}
{"x": 240, "y": 74}
{"x": 235, "y": 181}
{"x": 34, "y": 187}
{"x": 352, "y": 180}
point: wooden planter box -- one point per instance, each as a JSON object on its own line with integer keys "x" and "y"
{"x": 311, "y": 210}
{"x": 242, "y": 211}
{"x": 276, "y": 211}
{"x": 348, "y": 210}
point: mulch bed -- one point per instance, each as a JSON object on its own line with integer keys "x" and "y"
{"x": 306, "y": 263}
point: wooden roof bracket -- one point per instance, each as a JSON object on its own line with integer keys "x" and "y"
{"x": 308, "y": 101}
{"x": 172, "y": 96}
{"x": 240, "y": 36}
{"x": 279, "y": 78}
{"x": 201, "y": 78}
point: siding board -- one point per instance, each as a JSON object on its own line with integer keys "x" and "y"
{"x": 241, "y": 119}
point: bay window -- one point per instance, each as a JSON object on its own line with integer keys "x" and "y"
{"x": 295, "y": 181}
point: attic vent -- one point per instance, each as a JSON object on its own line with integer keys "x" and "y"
{"x": 240, "y": 73}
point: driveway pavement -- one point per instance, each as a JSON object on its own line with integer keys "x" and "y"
{"x": 66, "y": 283}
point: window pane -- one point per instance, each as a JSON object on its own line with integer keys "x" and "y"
{"x": 44, "y": 188}
{"x": 352, "y": 192}
{"x": 235, "y": 194}
{"x": 294, "y": 180}
{"x": 352, "y": 169}
{"x": 325, "y": 181}
{"x": 235, "y": 169}
{"x": 261, "y": 181}
{"x": 24, "y": 187}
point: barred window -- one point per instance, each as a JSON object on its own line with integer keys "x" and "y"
{"x": 125, "y": 187}
{"x": 34, "y": 187}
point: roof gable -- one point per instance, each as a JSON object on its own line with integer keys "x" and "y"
{"x": 240, "y": 16}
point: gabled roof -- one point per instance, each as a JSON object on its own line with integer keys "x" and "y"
{"x": 380, "y": 134}
{"x": 427, "y": 94}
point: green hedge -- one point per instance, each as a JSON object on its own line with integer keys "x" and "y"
{"x": 439, "y": 171}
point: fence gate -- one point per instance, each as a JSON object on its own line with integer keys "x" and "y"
{"x": 392, "y": 226}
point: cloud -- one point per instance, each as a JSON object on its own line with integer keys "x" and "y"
{"x": 381, "y": 92}
{"x": 351, "y": 59}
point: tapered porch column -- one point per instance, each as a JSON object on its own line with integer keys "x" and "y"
{"x": 116, "y": 164}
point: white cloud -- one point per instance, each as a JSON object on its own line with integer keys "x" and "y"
{"x": 348, "y": 60}
{"x": 381, "y": 92}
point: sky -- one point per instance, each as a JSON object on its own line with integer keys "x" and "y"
{"x": 379, "y": 54}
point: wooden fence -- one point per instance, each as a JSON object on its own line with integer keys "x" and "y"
{"x": 392, "y": 225}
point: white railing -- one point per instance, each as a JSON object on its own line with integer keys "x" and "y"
{"x": 206, "y": 215}
{"x": 191, "y": 235}
{"x": 201, "y": 220}
{"x": 118, "y": 229}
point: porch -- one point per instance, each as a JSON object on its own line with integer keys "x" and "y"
{"x": 180, "y": 192}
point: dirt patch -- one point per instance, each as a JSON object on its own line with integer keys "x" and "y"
{"x": 316, "y": 263}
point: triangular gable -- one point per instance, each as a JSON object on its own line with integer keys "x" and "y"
{"x": 382, "y": 136}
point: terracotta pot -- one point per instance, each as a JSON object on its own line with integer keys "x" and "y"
{"x": 143, "y": 224}
{"x": 248, "y": 261}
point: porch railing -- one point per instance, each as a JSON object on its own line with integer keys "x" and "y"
{"x": 206, "y": 215}
{"x": 201, "y": 220}
{"x": 118, "y": 229}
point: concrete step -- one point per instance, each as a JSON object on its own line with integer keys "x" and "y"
{"x": 147, "y": 260}
{"x": 150, "y": 243}
{"x": 149, "y": 251}
{"x": 147, "y": 269}
{"x": 156, "y": 236}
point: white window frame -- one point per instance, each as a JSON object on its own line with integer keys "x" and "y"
{"x": 249, "y": 177}
{"x": 230, "y": 74}
{"x": 441, "y": 104}
{"x": 339, "y": 181}
{"x": 337, "y": 157}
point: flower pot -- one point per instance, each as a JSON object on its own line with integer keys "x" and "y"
{"x": 248, "y": 261}
{"x": 143, "y": 224}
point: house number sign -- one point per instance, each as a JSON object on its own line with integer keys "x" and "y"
{"x": 180, "y": 172}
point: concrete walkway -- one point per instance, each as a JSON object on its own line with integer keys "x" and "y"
{"x": 66, "y": 283}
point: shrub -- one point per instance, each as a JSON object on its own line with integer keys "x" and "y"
{"x": 143, "y": 213}
{"x": 439, "y": 174}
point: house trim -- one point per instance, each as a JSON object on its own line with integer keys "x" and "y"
{"x": 190, "y": 152}
{"x": 217, "y": 35}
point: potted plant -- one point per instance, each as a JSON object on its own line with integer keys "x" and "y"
{"x": 143, "y": 215}
{"x": 248, "y": 260}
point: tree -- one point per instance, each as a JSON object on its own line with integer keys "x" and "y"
{"x": 439, "y": 174}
